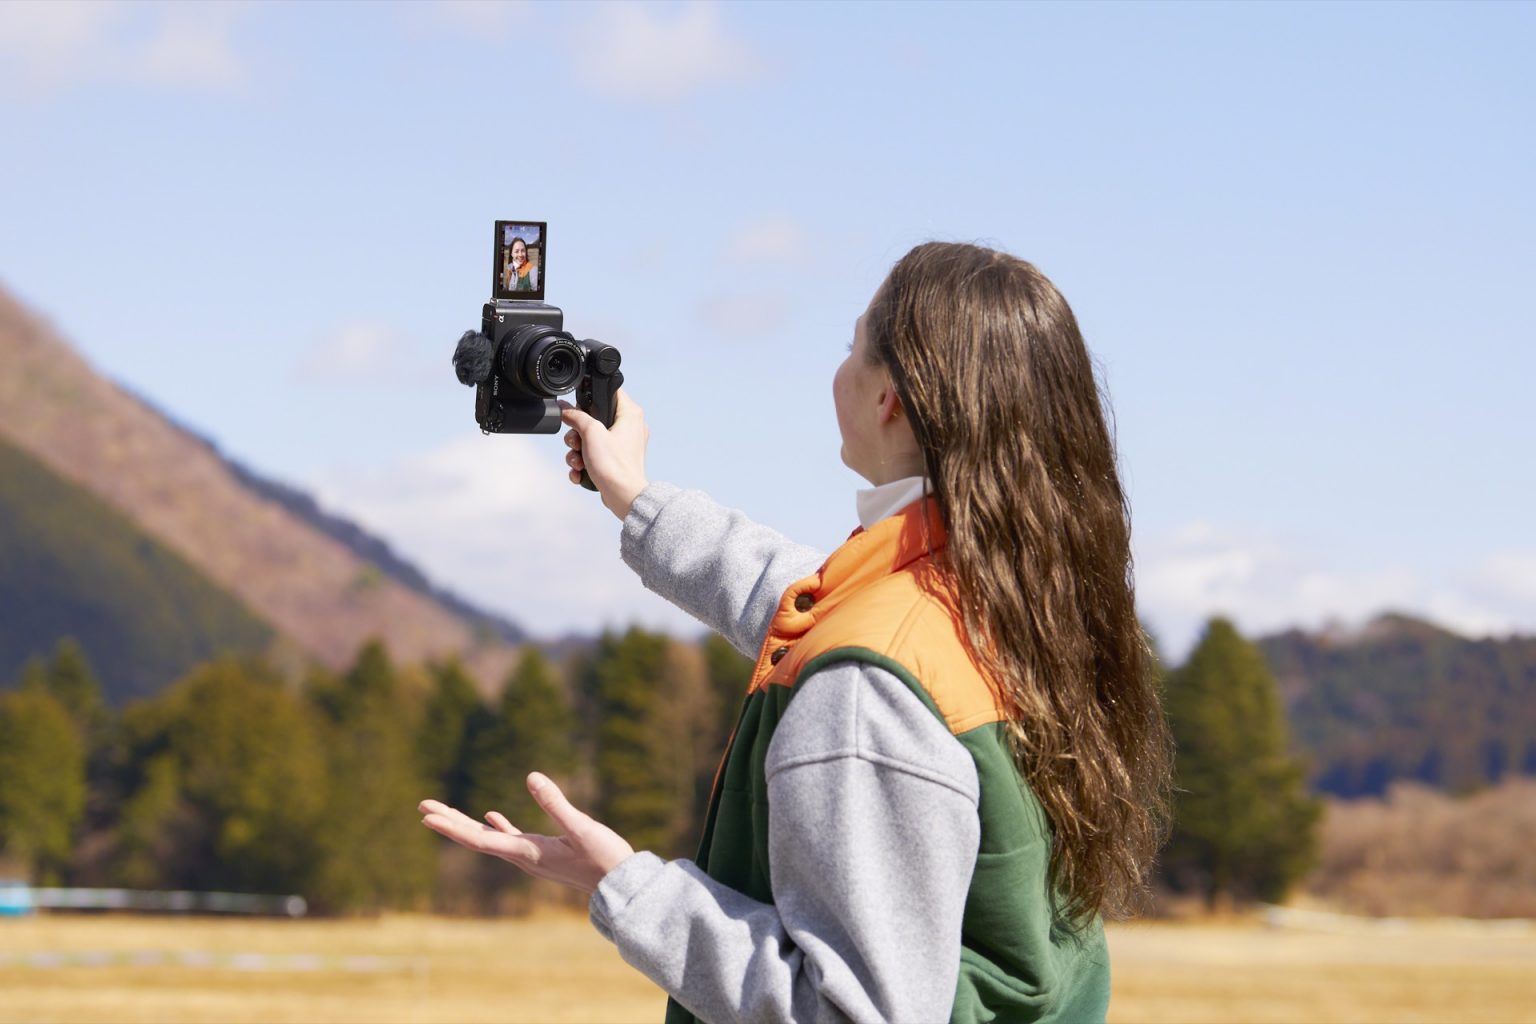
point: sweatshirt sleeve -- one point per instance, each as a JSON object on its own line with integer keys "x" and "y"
{"x": 712, "y": 562}
{"x": 873, "y": 833}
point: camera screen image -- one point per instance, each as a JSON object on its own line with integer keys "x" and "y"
{"x": 520, "y": 251}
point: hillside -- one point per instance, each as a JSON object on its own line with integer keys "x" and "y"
{"x": 1405, "y": 699}
{"x": 70, "y": 565}
{"x": 360, "y": 542}
{"x": 317, "y": 592}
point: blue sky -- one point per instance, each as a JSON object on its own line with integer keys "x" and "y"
{"x": 1299, "y": 238}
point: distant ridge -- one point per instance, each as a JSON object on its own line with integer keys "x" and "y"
{"x": 1402, "y": 698}
{"x": 325, "y": 595}
{"x": 377, "y": 552}
{"x": 358, "y": 540}
{"x": 1385, "y": 626}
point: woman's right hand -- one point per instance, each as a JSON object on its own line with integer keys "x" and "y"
{"x": 614, "y": 457}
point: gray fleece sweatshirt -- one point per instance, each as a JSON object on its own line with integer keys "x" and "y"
{"x": 873, "y": 826}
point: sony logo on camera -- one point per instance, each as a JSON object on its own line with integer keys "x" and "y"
{"x": 522, "y": 359}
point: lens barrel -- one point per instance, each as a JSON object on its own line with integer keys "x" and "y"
{"x": 556, "y": 365}
{"x": 543, "y": 361}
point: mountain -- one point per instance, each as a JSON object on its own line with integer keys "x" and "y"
{"x": 321, "y": 584}
{"x": 1402, "y": 698}
{"x": 71, "y": 565}
{"x": 359, "y": 541}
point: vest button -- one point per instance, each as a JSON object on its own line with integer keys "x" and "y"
{"x": 803, "y": 603}
{"x": 778, "y": 655}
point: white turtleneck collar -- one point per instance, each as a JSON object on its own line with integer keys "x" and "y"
{"x": 875, "y": 503}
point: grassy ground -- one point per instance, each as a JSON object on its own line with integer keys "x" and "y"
{"x": 1221, "y": 973}
{"x": 554, "y": 967}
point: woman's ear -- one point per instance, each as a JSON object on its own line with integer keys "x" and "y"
{"x": 890, "y": 405}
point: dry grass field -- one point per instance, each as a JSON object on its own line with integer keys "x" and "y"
{"x": 1243, "y": 971}
{"x": 554, "y": 967}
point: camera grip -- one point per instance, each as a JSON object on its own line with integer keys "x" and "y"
{"x": 598, "y": 397}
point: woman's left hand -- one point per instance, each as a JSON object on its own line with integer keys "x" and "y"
{"x": 580, "y": 858}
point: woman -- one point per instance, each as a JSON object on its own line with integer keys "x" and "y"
{"x": 521, "y": 274}
{"x": 951, "y": 763}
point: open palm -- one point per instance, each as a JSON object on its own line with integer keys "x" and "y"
{"x": 580, "y": 857}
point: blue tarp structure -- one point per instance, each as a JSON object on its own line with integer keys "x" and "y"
{"x": 15, "y": 897}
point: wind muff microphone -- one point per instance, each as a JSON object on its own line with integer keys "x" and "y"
{"x": 473, "y": 357}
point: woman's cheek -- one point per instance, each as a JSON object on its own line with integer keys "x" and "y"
{"x": 838, "y": 403}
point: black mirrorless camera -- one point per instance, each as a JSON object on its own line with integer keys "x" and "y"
{"x": 522, "y": 359}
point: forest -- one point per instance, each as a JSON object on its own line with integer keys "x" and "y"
{"x": 234, "y": 778}
{"x": 237, "y": 777}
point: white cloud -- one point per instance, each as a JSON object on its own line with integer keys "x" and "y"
{"x": 188, "y": 50}
{"x": 776, "y": 251}
{"x": 642, "y": 53}
{"x": 772, "y": 241}
{"x": 371, "y": 355}
{"x": 1198, "y": 571}
{"x": 746, "y": 314}
{"x": 50, "y": 45}
{"x": 46, "y": 31}
{"x": 495, "y": 519}
{"x": 1497, "y": 595}
{"x": 355, "y": 351}
{"x": 489, "y": 19}
{"x": 1509, "y": 575}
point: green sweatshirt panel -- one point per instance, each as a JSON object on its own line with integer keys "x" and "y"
{"x": 1018, "y": 953}
{"x": 734, "y": 847}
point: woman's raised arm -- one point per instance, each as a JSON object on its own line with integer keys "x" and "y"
{"x": 711, "y": 561}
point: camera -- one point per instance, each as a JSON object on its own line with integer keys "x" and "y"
{"x": 522, "y": 359}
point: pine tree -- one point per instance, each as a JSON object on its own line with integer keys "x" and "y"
{"x": 71, "y": 679}
{"x": 229, "y": 784}
{"x": 157, "y": 830}
{"x": 1158, "y": 663}
{"x": 729, "y": 673}
{"x": 1244, "y": 826}
{"x": 532, "y": 729}
{"x": 636, "y": 780}
{"x": 374, "y": 852}
{"x": 453, "y": 716}
{"x": 690, "y": 719}
{"x": 42, "y": 782}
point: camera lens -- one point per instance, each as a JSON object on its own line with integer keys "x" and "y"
{"x": 540, "y": 361}
{"x": 553, "y": 365}
{"x": 559, "y": 365}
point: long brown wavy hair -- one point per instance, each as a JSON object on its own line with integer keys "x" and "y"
{"x": 991, "y": 369}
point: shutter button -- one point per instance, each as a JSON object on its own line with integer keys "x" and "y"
{"x": 778, "y": 655}
{"x": 803, "y": 602}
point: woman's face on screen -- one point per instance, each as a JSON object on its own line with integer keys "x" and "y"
{"x": 519, "y": 252}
